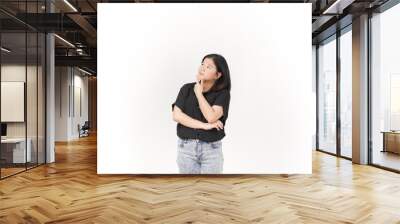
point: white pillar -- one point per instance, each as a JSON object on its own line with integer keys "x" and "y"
{"x": 360, "y": 90}
{"x": 50, "y": 91}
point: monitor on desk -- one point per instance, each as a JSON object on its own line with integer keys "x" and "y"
{"x": 3, "y": 130}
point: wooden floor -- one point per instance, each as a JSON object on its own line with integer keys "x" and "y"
{"x": 8, "y": 171}
{"x": 5, "y": 172}
{"x": 70, "y": 191}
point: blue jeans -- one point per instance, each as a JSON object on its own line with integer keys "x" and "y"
{"x": 199, "y": 157}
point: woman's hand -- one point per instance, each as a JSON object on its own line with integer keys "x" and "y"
{"x": 218, "y": 125}
{"x": 198, "y": 87}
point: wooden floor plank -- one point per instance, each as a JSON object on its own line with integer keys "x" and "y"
{"x": 70, "y": 191}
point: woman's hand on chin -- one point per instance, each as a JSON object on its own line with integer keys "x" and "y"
{"x": 198, "y": 87}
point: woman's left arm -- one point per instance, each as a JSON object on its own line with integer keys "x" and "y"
{"x": 210, "y": 113}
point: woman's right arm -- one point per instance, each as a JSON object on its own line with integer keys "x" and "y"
{"x": 179, "y": 116}
{"x": 182, "y": 118}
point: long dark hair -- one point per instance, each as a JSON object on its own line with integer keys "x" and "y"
{"x": 224, "y": 82}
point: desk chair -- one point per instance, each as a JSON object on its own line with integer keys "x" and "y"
{"x": 84, "y": 130}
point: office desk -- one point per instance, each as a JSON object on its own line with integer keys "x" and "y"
{"x": 391, "y": 141}
{"x": 13, "y": 150}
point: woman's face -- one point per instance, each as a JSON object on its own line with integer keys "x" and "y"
{"x": 208, "y": 70}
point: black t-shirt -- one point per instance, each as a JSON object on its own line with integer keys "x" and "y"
{"x": 188, "y": 103}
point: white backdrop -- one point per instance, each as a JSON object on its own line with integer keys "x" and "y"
{"x": 146, "y": 52}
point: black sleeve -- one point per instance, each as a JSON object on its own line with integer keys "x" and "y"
{"x": 223, "y": 100}
{"x": 180, "y": 99}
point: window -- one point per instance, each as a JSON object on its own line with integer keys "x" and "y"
{"x": 346, "y": 93}
{"x": 327, "y": 96}
{"x": 385, "y": 89}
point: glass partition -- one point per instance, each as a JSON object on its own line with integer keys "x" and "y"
{"x": 22, "y": 101}
{"x": 346, "y": 93}
{"x": 385, "y": 89}
{"x": 41, "y": 91}
{"x": 13, "y": 109}
{"x": 31, "y": 100}
{"x": 327, "y": 96}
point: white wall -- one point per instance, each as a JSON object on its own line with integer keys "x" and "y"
{"x": 61, "y": 103}
{"x": 12, "y": 73}
{"x": 68, "y": 81}
{"x": 15, "y": 72}
{"x": 80, "y": 83}
{"x": 140, "y": 71}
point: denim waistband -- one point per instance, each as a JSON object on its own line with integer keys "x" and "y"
{"x": 195, "y": 140}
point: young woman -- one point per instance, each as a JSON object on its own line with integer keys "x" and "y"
{"x": 201, "y": 110}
